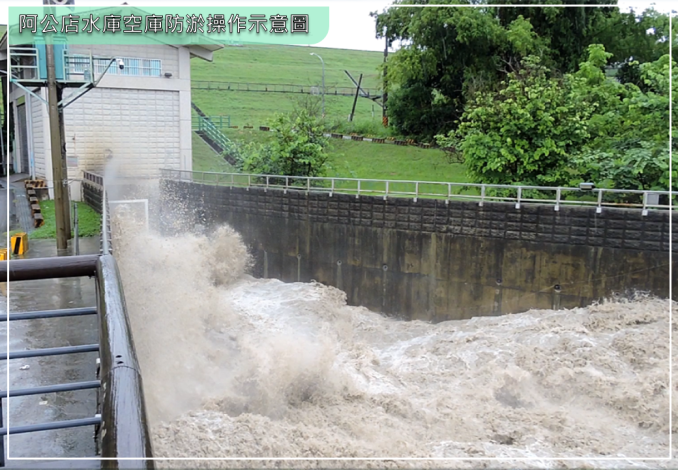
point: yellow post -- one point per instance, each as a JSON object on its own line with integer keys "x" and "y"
{"x": 3, "y": 254}
{"x": 19, "y": 243}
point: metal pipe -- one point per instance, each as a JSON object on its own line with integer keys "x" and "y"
{"x": 22, "y": 392}
{"x": 124, "y": 430}
{"x": 76, "y": 229}
{"x": 71, "y": 423}
{"x": 49, "y": 268}
{"x": 104, "y": 224}
{"x": 67, "y": 312}
{"x": 49, "y": 351}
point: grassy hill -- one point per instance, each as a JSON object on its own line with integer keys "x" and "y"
{"x": 295, "y": 65}
{"x": 289, "y": 64}
{"x": 285, "y": 65}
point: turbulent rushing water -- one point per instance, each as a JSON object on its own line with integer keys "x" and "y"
{"x": 240, "y": 367}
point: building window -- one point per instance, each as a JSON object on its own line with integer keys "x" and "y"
{"x": 134, "y": 67}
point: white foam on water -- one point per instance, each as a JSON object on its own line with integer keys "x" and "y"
{"x": 235, "y": 366}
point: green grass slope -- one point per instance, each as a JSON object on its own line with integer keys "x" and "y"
{"x": 288, "y": 64}
{"x": 295, "y": 65}
{"x": 284, "y": 65}
{"x": 206, "y": 159}
{"x": 352, "y": 159}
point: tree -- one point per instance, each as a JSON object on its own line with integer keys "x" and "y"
{"x": 524, "y": 132}
{"x": 567, "y": 31}
{"x": 630, "y": 144}
{"x": 450, "y": 53}
{"x": 544, "y": 130}
{"x": 298, "y": 148}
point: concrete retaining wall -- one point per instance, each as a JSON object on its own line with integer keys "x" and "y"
{"x": 434, "y": 261}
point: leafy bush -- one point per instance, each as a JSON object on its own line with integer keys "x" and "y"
{"x": 525, "y": 132}
{"x": 297, "y": 149}
{"x": 540, "y": 130}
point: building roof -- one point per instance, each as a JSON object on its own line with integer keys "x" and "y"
{"x": 202, "y": 46}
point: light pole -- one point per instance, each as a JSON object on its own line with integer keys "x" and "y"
{"x": 323, "y": 62}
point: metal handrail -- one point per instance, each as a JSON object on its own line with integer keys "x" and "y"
{"x": 16, "y": 70}
{"x": 122, "y": 426}
{"x": 212, "y": 131}
{"x": 360, "y": 186}
{"x": 219, "y": 121}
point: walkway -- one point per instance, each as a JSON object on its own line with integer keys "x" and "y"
{"x": 43, "y": 333}
{"x": 20, "y": 217}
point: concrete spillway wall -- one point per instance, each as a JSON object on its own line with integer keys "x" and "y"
{"x": 434, "y": 261}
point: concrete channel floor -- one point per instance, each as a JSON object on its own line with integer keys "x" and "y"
{"x": 24, "y": 373}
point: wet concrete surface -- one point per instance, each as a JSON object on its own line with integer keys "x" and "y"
{"x": 19, "y": 216}
{"x": 44, "y": 333}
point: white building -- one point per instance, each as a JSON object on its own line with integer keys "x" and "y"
{"x": 138, "y": 118}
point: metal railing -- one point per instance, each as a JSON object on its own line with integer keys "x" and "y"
{"x": 281, "y": 88}
{"x": 25, "y": 63}
{"x": 121, "y": 429}
{"x": 205, "y": 125}
{"x": 556, "y": 196}
{"x": 219, "y": 122}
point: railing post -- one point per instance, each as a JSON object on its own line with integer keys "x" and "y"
{"x": 557, "y": 206}
{"x": 249, "y": 181}
{"x": 358, "y": 195}
{"x": 520, "y": 191}
{"x": 482, "y": 195}
{"x": 308, "y": 184}
{"x": 2, "y": 438}
{"x": 386, "y": 193}
{"x": 599, "y": 209}
{"x": 76, "y": 230}
{"x": 416, "y": 191}
{"x": 266, "y": 188}
{"x": 287, "y": 184}
{"x": 644, "y": 203}
{"x": 332, "y": 187}
{"x": 449, "y": 193}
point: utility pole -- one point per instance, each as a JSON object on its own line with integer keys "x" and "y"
{"x": 58, "y": 147}
{"x": 384, "y": 116}
{"x": 323, "y": 62}
{"x": 355, "y": 99}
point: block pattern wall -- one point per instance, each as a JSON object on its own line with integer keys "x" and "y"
{"x": 614, "y": 228}
{"x": 434, "y": 261}
{"x": 139, "y": 128}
